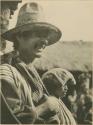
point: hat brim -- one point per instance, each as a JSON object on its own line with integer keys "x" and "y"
{"x": 54, "y": 34}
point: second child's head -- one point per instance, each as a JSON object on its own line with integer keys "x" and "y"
{"x": 56, "y": 81}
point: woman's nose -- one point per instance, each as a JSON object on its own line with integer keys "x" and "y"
{"x": 44, "y": 43}
{"x": 66, "y": 88}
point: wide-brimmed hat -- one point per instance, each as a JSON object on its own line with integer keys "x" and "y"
{"x": 31, "y": 18}
{"x": 62, "y": 75}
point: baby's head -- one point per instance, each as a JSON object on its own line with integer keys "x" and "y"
{"x": 56, "y": 81}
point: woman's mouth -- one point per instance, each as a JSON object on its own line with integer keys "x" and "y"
{"x": 39, "y": 47}
{"x": 38, "y": 52}
{"x": 65, "y": 92}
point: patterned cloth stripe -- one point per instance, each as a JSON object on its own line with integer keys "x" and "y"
{"x": 5, "y": 73}
{"x": 31, "y": 78}
{"x": 67, "y": 118}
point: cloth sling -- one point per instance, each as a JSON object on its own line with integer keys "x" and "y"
{"x": 65, "y": 115}
{"x": 32, "y": 78}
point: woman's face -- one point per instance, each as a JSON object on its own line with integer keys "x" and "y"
{"x": 32, "y": 45}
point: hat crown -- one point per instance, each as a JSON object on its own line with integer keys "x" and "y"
{"x": 30, "y": 13}
{"x": 31, "y": 18}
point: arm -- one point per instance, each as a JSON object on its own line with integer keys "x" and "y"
{"x": 25, "y": 113}
{"x": 12, "y": 95}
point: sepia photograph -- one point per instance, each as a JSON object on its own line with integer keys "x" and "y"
{"x": 46, "y": 59}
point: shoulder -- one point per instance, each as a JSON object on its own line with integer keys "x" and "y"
{"x": 8, "y": 73}
{"x": 5, "y": 66}
{"x": 7, "y": 70}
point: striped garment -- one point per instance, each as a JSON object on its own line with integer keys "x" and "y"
{"x": 32, "y": 77}
{"x": 65, "y": 115}
{"x": 17, "y": 91}
{"x": 15, "y": 88}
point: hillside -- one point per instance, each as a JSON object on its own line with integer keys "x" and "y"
{"x": 75, "y": 56}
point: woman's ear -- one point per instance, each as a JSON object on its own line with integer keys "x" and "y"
{"x": 18, "y": 38}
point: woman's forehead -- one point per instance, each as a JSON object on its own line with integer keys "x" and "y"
{"x": 37, "y": 33}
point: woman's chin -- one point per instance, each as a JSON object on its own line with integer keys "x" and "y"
{"x": 64, "y": 94}
{"x": 38, "y": 55}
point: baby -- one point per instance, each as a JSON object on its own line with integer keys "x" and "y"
{"x": 56, "y": 81}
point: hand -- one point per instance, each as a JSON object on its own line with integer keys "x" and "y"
{"x": 43, "y": 99}
{"x": 54, "y": 120}
{"x": 52, "y": 104}
{"x": 27, "y": 115}
{"x": 48, "y": 108}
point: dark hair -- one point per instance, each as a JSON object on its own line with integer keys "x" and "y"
{"x": 16, "y": 44}
{"x": 24, "y": 34}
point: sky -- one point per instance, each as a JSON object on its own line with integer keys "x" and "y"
{"x": 73, "y": 17}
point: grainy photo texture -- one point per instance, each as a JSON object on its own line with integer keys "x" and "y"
{"x": 46, "y": 62}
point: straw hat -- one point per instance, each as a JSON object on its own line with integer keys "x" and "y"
{"x": 31, "y": 18}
